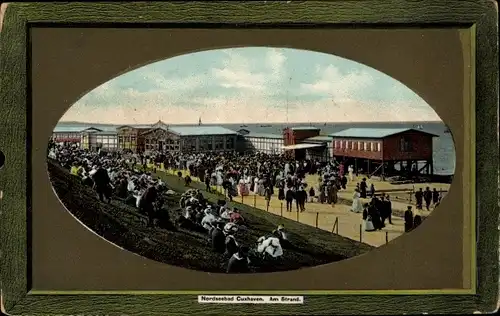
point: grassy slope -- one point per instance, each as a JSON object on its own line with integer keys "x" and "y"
{"x": 317, "y": 237}
{"x": 121, "y": 225}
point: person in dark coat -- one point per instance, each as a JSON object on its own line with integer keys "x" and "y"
{"x": 102, "y": 184}
{"x": 365, "y": 211}
{"x": 226, "y": 184}
{"x": 408, "y": 217}
{"x": 289, "y": 196}
{"x": 329, "y": 193}
{"x": 122, "y": 188}
{"x": 379, "y": 205}
{"x": 427, "y": 197}
{"x": 417, "y": 220}
{"x": 382, "y": 209}
{"x": 301, "y": 199}
{"x": 343, "y": 182}
{"x": 238, "y": 263}
{"x": 312, "y": 193}
{"x": 435, "y": 197}
{"x": 218, "y": 239}
{"x": 147, "y": 202}
{"x": 362, "y": 188}
{"x": 187, "y": 180}
{"x": 388, "y": 208}
{"x": 281, "y": 193}
{"x": 231, "y": 245}
{"x": 419, "y": 195}
{"x": 207, "y": 182}
{"x": 267, "y": 193}
{"x": 335, "y": 193}
{"x": 372, "y": 190}
{"x": 375, "y": 215}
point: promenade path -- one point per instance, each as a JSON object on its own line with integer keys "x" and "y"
{"x": 336, "y": 219}
{"x": 402, "y": 195}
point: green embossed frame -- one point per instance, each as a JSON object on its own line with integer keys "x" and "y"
{"x": 479, "y": 16}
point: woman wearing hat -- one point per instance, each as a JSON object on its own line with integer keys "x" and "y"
{"x": 270, "y": 246}
{"x": 281, "y": 234}
{"x": 208, "y": 220}
{"x": 231, "y": 244}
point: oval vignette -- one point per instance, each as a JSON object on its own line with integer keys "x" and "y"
{"x": 273, "y": 155}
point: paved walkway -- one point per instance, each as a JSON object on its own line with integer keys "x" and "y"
{"x": 338, "y": 218}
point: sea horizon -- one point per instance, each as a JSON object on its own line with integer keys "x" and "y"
{"x": 255, "y": 123}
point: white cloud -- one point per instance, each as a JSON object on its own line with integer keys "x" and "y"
{"x": 238, "y": 72}
{"x": 275, "y": 60}
{"x": 161, "y": 82}
{"x": 336, "y": 85}
{"x": 255, "y": 82}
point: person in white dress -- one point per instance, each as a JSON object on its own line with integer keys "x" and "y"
{"x": 270, "y": 246}
{"x": 208, "y": 220}
{"x": 248, "y": 183}
{"x": 52, "y": 154}
{"x": 226, "y": 214}
{"x": 369, "y": 224}
{"x": 138, "y": 196}
{"x": 357, "y": 206}
{"x": 350, "y": 170}
{"x": 256, "y": 185}
{"x": 241, "y": 190}
{"x": 219, "y": 178}
{"x": 187, "y": 212}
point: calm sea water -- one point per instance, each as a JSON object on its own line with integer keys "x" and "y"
{"x": 444, "y": 149}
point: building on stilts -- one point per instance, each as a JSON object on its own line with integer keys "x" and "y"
{"x": 385, "y": 152}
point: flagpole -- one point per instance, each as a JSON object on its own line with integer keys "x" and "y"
{"x": 287, "y": 99}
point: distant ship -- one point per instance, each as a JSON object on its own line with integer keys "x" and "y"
{"x": 266, "y": 126}
{"x": 418, "y": 126}
{"x": 243, "y": 125}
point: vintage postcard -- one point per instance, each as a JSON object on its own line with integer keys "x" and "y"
{"x": 264, "y": 158}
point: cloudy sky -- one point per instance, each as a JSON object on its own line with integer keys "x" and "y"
{"x": 251, "y": 85}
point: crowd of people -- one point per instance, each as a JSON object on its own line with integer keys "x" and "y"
{"x": 238, "y": 174}
{"x": 430, "y": 197}
{"x": 114, "y": 175}
{"x": 222, "y": 224}
{"x": 261, "y": 174}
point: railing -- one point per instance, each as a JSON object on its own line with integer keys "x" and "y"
{"x": 335, "y": 225}
{"x": 321, "y": 220}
